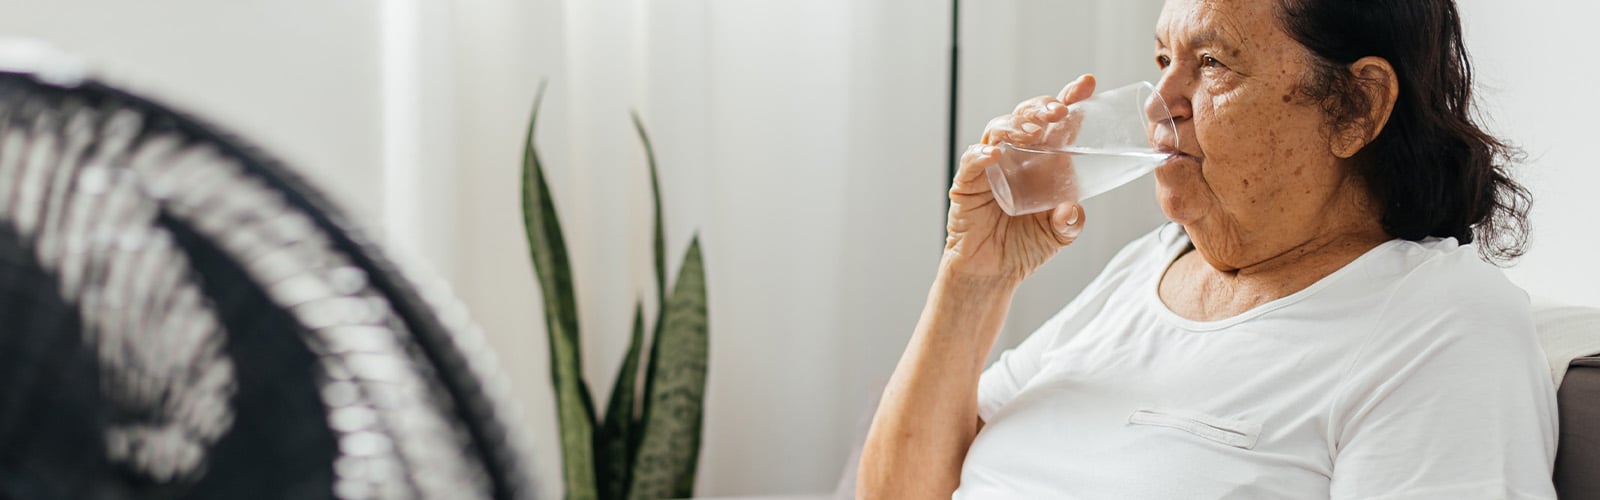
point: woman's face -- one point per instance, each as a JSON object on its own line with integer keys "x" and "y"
{"x": 1257, "y": 176}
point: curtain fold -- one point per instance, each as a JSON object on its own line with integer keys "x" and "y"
{"x": 805, "y": 143}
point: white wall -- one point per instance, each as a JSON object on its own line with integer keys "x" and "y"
{"x": 1533, "y": 75}
{"x": 300, "y": 78}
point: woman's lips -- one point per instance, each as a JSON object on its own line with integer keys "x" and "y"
{"x": 1170, "y": 151}
{"x": 1175, "y": 156}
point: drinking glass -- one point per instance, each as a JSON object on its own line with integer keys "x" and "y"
{"x": 1103, "y": 142}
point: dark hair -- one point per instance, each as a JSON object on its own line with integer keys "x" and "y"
{"x": 1433, "y": 169}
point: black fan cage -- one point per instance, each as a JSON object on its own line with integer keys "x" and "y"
{"x": 181, "y": 316}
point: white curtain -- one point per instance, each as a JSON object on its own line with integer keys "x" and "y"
{"x": 805, "y": 142}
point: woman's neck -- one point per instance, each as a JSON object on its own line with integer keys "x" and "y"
{"x": 1197, "y": 287}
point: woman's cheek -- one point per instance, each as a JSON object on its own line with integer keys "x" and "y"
{"x": 1221, "y": 82}
{"x": 1226, "y": 125}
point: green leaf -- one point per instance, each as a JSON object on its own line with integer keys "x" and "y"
{"x": 675, "y": 390}
{"x": 613, "y": 445}
{"x": 574, "y": 407}
{"x": 659, "y": 258}
{"x": 655, "y": 196}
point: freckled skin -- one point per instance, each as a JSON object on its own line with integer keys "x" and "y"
{"x": 1264, "y": 196}
{"x": 1267, "y": 202}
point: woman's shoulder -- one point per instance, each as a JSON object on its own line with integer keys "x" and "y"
{"x": 1441, "y": 268}
{"x": 1443, "y": 283}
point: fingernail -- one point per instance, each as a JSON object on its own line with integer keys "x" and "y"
{"x": 1054, "y": 107}
{"x": 1030, "y": 128}
{"x": 1072, "y": 216}
{"x": 989, "y": 150}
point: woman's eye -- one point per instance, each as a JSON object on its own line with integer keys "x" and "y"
{"x": 1211, "y": 62}
{"x": 1163, "y": 61}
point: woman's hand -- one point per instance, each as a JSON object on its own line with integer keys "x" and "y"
{"x": 929, "y": 413}
{"x": 984, "y": 242}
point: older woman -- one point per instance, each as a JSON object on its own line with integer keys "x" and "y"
{"x": 1315, "y": 323}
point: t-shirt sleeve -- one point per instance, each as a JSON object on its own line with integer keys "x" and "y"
{"x": 1004, "y": 379}
{"x": 1450, "y": 398}
{"x": 1008, "y": 375}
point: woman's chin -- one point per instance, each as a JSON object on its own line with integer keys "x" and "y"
{"x": 1175, "y": 205}
{"x": 1181, "y": 190}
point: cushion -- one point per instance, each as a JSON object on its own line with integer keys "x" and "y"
{"x": 1569, "y": 335}
{"x": 1566, "y": 332}
{"x": 1577, "y": 473}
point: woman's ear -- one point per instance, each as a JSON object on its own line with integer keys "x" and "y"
{"x": 1376, "y": 78}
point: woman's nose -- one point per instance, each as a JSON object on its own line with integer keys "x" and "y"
{"x": 1167, "y": 109}
{"x": 1173, "y": 92}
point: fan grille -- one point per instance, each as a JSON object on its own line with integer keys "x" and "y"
{"x": 236, "y": 337}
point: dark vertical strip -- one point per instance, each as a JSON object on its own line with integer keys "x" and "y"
{"x": 955, "y": 76}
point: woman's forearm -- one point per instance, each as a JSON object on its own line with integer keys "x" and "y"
{"x": 929, "y": 415}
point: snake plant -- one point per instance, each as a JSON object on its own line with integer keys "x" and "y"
{"x": 643, "y": 450}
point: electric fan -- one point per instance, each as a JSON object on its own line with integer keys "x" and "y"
{"x": 182, "y": 317}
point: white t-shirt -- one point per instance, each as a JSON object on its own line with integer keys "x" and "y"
{"x": 1412, "y": 372}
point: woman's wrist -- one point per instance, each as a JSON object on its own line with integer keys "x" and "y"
{"x": 956, "y": 276}
{"x": 968, "y": 309}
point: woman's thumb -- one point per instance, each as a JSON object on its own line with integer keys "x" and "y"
{"x": 1067, "y": 220}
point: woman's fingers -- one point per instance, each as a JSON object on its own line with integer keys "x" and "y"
{"x": 1042, "y": 108}
{"x": 1078, "y": 90}
{"x": 1033, "y": 116}
{"x": 1013, "y": 129}
{"x": 973, "y": 162}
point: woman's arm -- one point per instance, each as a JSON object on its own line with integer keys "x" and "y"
{"x": 929, "y": 412}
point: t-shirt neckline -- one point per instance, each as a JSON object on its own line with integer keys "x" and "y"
{"x": 1181, "y": 245}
